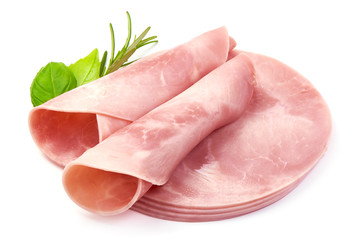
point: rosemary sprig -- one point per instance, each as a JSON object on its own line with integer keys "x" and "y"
{"x": 122, "y": 56}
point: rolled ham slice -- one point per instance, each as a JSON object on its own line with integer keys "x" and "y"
{"x": 110, "y": 177}
{"x": 253, "y": 161}
{"x": 68, "y": 125}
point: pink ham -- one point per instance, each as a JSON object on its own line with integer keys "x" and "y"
{"x": 254, "y": 161}
{"x": 110, "y": 177}
{"x": 68, "y": 125}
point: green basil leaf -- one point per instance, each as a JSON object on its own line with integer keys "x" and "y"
{"x": 87, "y": 69}
{"x": 51, "y": 81}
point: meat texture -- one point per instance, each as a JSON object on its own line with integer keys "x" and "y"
{"x": 110, "y": 177}
{"x": 253, "y": 161}
{"x": 68, "y": 125}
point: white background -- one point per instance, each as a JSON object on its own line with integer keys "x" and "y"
{"x": 320, "y": 39}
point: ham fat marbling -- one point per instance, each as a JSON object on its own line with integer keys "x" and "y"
{"x": 253, "y": 161}
{"x": 110, "y": 177}
{"x": 68, "y": 125}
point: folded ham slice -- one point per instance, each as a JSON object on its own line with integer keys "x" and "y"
{"x": 71, "y": 123}
{"x": 253, "y": 161}
{"x": 110, "y": 177}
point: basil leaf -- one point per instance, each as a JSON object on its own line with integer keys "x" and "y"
{"x": 52, "y": 80}
{"x": 86, "y": 69}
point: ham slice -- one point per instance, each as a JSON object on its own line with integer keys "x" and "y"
{"x": 110, "y": 177}
{"x": 71, "y": 123}
{"x": 253, "y": 161}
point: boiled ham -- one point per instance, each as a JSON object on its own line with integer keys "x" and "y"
{"x": 110, "y": 177}
{"x": 253, "y": 161}
{"x": 206, "y": 154}
{"x": 68, "y": 125}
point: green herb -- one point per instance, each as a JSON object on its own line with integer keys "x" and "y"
{"x": 51, "y": 81}
{"x": 122, "y": 56}
{"x": 86, "y": 69}
{"x": 56, "y": 78}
